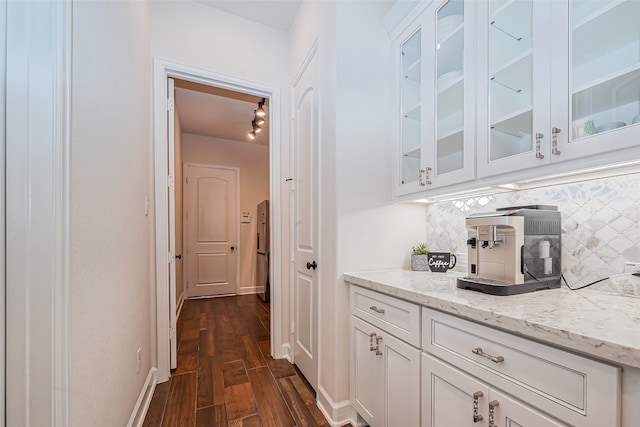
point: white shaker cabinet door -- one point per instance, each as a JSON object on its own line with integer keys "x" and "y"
{"x": 385, "y": 377}
{"x": 450, "y": 397}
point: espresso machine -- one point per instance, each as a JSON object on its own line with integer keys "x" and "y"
{"x": 513, "y": 250}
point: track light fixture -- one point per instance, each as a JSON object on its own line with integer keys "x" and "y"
{"x": 258, "y": 120}
{"x": 260, "y": 111}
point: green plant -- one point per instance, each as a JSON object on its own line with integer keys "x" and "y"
{"x": 420, "y": 249}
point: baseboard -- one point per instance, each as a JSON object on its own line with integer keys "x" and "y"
{"x": 144, "y": 400}
{"x": 246, "y": 290}
{"x": 338, "y": 414}
{"x": 286, "y": 352}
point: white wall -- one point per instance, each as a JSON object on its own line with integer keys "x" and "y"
{"x": 361, "y": 230}
{"x": 253, "y": 161}
{"x": 110, "y": 282}
{"x": 193, "y": 34}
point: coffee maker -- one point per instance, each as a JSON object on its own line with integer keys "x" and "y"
{"x": 513, "y": 250}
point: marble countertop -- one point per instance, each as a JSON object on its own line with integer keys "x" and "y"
{"x": 600, "y": 324}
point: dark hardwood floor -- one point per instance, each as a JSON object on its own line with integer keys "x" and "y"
{"x": 225, "y": 375}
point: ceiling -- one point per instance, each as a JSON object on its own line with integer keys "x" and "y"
{"x": 218, "y": 113}
{"x": 274, "y": 13}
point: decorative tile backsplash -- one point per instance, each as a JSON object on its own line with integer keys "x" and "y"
{"x": 600, "y": 224}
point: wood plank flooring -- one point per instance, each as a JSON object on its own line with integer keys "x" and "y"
{"x": 226, "y": 376}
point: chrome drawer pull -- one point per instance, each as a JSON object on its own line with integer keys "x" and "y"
{"x": 494, "y": 359}
{"x": 476, "y": 416}
{"x": 372, "y": 335}
{"x": 376, "y": 309}
{"x": 492, "y": 407}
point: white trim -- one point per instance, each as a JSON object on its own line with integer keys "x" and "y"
{"x": 38, "y": 93}
{"x": 3, "y": 145}
{"x": 144, "y": 400}
{"x": 338, "y": 414}
{"x": 250, "y": 289}
{"x": 162, "y": 70}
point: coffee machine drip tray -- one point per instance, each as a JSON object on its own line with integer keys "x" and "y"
{"x": 497, "y": 287}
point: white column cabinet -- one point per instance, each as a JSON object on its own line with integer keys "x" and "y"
{"x": 512, "y": 88}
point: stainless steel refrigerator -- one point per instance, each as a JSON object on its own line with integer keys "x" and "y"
{"x": 262, "y": 263}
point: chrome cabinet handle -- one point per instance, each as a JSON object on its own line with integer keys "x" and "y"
{"x": 427, "y": 180}
{"x": 476, "y": 416}
{"x": 378, "y": 352}
{"x": 554, "y": 141}
{"x": 372, "y": 335}
{"x": 376, "y": 309}
{"x": 492, "y": 407}
{"x": 494, "y": 359}
{"x": 539, "y": 155}
{"x": 421, "y": 178}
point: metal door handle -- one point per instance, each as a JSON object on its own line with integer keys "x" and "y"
{"x": 476, "y": 415}
{"x": 178, "y": 256}
{"x": 492, "y": 415}
{"x": 311, "y": 265}
{"x": 539, "y": 155}
{"x": 233, "y": 248}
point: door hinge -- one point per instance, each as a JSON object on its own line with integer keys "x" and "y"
{"x": 169, "y": 181}
{"x": 172, "y": 333}
{"x": 171, "y": 257}
{"x": 169, "y": 104}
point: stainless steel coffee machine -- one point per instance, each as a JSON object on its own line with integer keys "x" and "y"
{"x": 513, "y": 250}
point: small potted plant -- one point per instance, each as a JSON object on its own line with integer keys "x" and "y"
{"x": 419, "y": 257}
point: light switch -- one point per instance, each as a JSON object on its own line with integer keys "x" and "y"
{"x": 246, "y": 217}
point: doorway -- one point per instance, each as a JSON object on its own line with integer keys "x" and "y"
{"x": 163, "y": 71}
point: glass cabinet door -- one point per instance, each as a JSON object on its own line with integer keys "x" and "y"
{"x": 605, "y": 66}
{"x": 449, "y": 111}
{"x": 510, "y": 28}
{"x": 410, "y": 105}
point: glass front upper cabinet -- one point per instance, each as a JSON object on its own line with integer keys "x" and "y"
{"x": 411, "y": 112}
{"x": 510, "y": 31}
{"x": 605, "y": 66}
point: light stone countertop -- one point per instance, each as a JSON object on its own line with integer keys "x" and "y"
{"x": 600, "y": 324}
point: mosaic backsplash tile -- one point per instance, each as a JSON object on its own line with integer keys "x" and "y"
{"x": 600, "y": 224}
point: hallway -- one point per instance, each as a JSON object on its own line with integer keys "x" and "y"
{"x": 225, "y": 375}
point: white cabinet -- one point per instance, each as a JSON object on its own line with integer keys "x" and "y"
{"x": 504, "y": 91}
{"x": 436, "y": 123}
{"x": 384, "y": 370}
{"x": 453, "y": 398}
{"x": 557, "y": 81}
{"x": 519, "y": 381}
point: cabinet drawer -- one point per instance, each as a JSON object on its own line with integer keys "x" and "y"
{"x": 395, "y": 316}
{"x": 573, "y": 388}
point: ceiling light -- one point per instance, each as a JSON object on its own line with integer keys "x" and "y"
{"x": 256, "y": 128}
{"x": 259, "y": 120}
{"x": 260, "y": 111}
{"x": 252, "y": 135}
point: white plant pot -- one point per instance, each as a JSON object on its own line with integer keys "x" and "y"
{"x": 419, "y": 262}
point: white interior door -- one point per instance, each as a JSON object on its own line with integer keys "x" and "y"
{"x": 305, "y": 212}
{"x": 171, "y": 189}
{"x": 211, "y": 225}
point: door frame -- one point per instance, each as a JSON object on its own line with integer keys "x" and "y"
{"x": 185, "y": 237}
{"x": 163, "y": 69}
